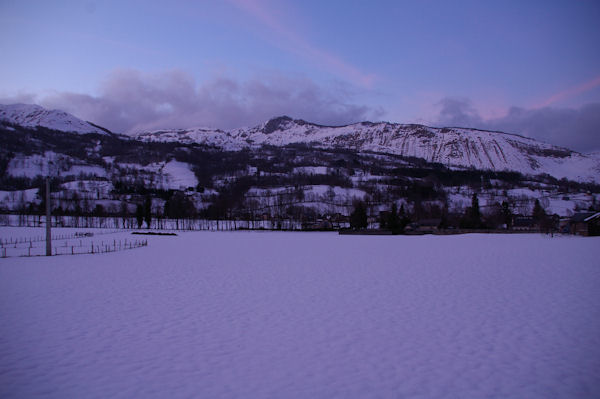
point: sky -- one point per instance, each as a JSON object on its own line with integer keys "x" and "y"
{"x": 531, "y": 67}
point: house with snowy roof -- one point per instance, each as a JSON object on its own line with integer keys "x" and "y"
{"x": 585, "y": 223}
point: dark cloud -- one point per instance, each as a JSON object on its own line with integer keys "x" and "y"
{"x": 131, "y": 101}
{"x": 577, "y": 129}
{"x": 458, "y": 112}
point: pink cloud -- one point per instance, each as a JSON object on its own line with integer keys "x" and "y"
{"x": 570, "y": 92}
{"x": 301, "y": 46}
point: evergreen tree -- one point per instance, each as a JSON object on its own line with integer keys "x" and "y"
{"x": 148, "y": 211}
{"x": 139, "y": 215}
{"x": 178, "y": 206}
{"x": 539, "y": 214}
{"x": 383, "y": 220}
{"x": 444, "y": 220}
{"x": 358, "y": 218}
{"x": 404, "y": 219}
{"x": 124, "y": 212}
{"x": 99, "y": 211}
{"x": 475, "y": 212}
{"x": 472, "y": 217}
{"x": 393, "y": 222}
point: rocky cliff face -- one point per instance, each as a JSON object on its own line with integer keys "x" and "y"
{"x": 453, "y": 147}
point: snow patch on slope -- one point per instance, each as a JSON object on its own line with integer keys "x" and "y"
{"x": 178, "y": 175}
{"x": 50, "y": 164}
{"x": 173, "y": 174}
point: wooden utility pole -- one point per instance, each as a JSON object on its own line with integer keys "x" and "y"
{"x": 48, "y": 220}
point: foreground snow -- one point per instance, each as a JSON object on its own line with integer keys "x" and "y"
{"x": 306, "y": 315}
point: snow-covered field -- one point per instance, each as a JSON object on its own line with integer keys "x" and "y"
{"x": 306, "y": 315}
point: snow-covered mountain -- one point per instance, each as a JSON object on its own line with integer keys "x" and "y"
{"x": 453, "y": 147}
{"x": 427, "y": 170}
{"x": 29, "y": 115}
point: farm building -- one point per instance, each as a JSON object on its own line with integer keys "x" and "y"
{"x": 585, "y": 224}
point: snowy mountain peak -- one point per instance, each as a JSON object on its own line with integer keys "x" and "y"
{"x": 450, "y": 146}
{"x": 31, "y": 115}
{"x": 279, "y": 123}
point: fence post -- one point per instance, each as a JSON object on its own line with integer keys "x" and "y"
{"x": 48, "y": 220}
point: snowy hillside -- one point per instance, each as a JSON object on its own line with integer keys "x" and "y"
{"x": 254, "y": 174}
{"x": 29, "y": 115}
{"x": 198, "y": 135}
{"x": 453, "y": 147}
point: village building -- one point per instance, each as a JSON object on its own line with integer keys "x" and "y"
{"x": 585, "y": 224}
{"x": 523, "y": 223}
{"x": 428, "y": 225}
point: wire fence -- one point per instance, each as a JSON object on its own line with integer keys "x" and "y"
{"x": 28, "y": 240}
{"x": 20, "y": 248}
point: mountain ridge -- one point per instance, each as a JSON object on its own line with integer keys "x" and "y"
{"x": 31, "y": 115}
{"x": 453, "y": 147}
{"x": 289, "y": 169}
